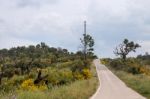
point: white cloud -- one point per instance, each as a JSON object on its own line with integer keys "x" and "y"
{"x": 145, "y": 46}
{"x": 9, "y": 42}
{"x": 60, "y": 22}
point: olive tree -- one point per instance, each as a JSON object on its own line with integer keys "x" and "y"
{"x": 125, "y": 48}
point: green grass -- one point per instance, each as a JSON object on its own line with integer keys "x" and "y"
{"x": 140, "y": 82}
{"x": 80, "y": 89}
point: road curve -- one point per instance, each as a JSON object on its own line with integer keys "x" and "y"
{"x": 111, "y": 87}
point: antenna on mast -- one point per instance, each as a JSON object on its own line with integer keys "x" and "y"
{"x": 85, "y": 27}
{"x": 85, "y": 42}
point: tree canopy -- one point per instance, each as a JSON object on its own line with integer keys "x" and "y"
{"x": 125, "y": 48}
{"x": 87, "y": 45}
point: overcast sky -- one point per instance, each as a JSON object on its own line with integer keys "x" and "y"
{"x": 59, "y": 23}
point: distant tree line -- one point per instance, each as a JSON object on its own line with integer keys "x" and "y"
{"x": 21, "y": 60}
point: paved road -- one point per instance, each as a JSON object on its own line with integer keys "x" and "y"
{"x": 111, "y": 87}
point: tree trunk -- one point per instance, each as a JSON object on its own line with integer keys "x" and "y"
{"x": 124, "y": 57}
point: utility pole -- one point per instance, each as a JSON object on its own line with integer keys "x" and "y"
{"x": 85, "y": 27}
{"x": 85, "y": 42}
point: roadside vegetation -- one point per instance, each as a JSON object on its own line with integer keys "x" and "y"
{"x": 43, "y": 72}
{"x": 79, "y": 89}
{"x": 135, "y": 72}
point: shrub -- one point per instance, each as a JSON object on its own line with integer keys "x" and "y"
{"x": 6, "y": 87}
{"x": 105, "y": 61}
{"x": 64, "y": 65}
{"x": 32, "y": 74}
{"x": 78, "y": 76}
{"x": 86, "y": 73}
{"x": 16, "y": 80}
{"x": 131, "y": 65}
{"x": 77, "y": 65}
{"x": 29, "y": 85}
{"x": 117, "y": 64}
{"x": 134, "y": 70}
{"x": 12, "y": 83}
{"x": 145, "y": 70}
{"x": 65, "y": 76}
{"x": 58, "y": 77}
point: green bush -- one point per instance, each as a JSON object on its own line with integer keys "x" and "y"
{"x": 65, "y": 76}
{"x": 17, "y": 80}
{"x": 77, "y": 65}
{"x": 58, "y": 77}
{"x": 65, "y": 64}
{"x": 131, "y": 65}
{"x": 117, "y": 64}
{"x": 7, "y": 86}
{"x": 105, "y": 61}
{"x": 134, "y": 70}
{"x": 12, "y": 83}
{"x": 77, "y": 75}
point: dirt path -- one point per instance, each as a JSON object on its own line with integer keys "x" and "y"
{"x": 111, "y": 87}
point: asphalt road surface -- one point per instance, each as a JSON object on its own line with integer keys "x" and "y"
{"x": 111, "y": 87}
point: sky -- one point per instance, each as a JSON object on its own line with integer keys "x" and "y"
{"x": 59, "y": 23}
